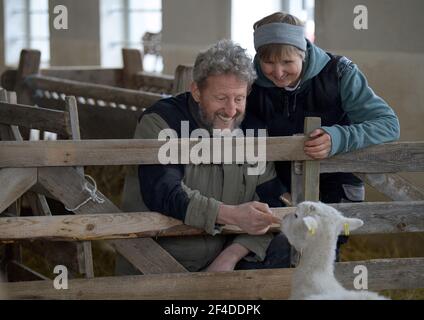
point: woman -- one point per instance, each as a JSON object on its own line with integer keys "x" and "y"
{"x": 296, "y": 79}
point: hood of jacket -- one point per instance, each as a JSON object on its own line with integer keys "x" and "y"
{"x": 316, "y": 59}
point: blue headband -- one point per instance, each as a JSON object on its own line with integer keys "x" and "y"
{"x": 278, "y": 32}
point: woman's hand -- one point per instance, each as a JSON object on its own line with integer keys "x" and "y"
{"x": 319, "y": 144}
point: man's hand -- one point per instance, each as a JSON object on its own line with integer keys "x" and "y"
{"x": 228, "y": 258}
{"x": 252, "y": 217}
{"x": 319, "y": 144}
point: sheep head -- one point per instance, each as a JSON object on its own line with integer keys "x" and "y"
{"x": 314, "y": 219}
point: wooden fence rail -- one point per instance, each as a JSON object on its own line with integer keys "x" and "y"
{"x": 389, "y": 157}
{"x": 383, "y": 274}
{"x": 384, "y": 217}
{"x": 94, "y": 91}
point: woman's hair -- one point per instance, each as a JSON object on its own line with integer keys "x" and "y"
{"x": 225, "y": 57}
{"x": 275, "y": 51}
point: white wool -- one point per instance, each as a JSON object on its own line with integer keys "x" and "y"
{"x": 313, "y": 230}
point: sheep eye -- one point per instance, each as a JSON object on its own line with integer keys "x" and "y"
{"x": 295, "y": 215}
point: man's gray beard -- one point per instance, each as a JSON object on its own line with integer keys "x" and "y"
{"x": 208, "y": 123}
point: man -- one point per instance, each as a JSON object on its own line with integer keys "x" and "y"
{"x": 209, "y": 195}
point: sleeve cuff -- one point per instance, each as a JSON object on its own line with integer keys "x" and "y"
{"x": 202, "y": 213}
{"x": 335, "y": 139}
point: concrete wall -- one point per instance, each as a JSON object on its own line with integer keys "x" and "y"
{"x": 190, "y": 26}
{"x": 390, "y": 53}
{"x": 80, "y": 44}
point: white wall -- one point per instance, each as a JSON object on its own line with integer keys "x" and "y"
{"x": 190, "y": 26}
{"x": 80, "y": 44}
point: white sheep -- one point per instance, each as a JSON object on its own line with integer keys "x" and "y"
{"x": 313, "y": 230}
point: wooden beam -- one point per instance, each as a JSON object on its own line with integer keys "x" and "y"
{"x": 393, "y": 186}
{"x": 158, "y": 82}
{"x": 311, "y": 169}
{"x": 34, "y": 117}
{"x": 97, "y": 75}
{"x": 15, "y": 182}
{"x": 145, "y": 151}
{"x": 133, "y": 63}
{"x": 99, "y": 122}
{"x": 29, "y": 63}
{"x": 240, "y": 285}
{"x": 379, "y": 217}
{"x": 94, "y": 91}
{"x": 383, "y": 158}
{"x": 183, "y": 79}
{"x": 68, "y": 187}
{"x": 116, "y": 152}
{"x": 85, "y": 256}
{"x": 16, "y": 134}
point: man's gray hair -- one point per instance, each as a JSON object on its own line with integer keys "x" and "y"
{"x": 225, "y": 57}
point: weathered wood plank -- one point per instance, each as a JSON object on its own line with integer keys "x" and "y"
{"x": 148, "y": 255}
{"x": 384, "y": 158}
{"x": 6, "y": 133}
{"x": 136, "y": 151}
{"x": 33, "y": 117}
{"x": 97, "y": 75}
{"x": 311, "y": 169}
{"x": 379, "y": 217}
{"x": 246, "y": 284}
{"x": 163, "y": 81}
{"x": 29, "y": 63}
{"x": 133, "y": 63}
{"x": 85, "y": 257}
{"x": 15, "y": 182}
{"x": 114, "y": 152}
{"x": 12, "y": 98}
{"x": 99, "y": 122}
{"x": 68, "y": 187}
{"x": 94, "y": 91}
{"x": 183, "y": 79}
{"x": 393, "y": 186}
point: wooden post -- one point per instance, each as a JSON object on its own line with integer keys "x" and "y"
{"x": 297, "y": 187}
{"x": 85, "y": 254}
{"x": 311, "y": 168}
{"x": 29, "y": 63}
{"x": 182, "y": 80}
{"x": 133, "y": 63}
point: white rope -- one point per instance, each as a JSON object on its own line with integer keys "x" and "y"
{"x": 93, "y": 196}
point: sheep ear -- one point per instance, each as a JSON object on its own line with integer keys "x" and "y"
{"x": 351, "y": 224}
{"x": 311, "y": 207}
{"x": 310, "y": 223}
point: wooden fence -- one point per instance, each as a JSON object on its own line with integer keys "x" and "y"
{"x": 54, "y": 169}
{"x": 109, "y": 101}
{"x": 50, "y": 165}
